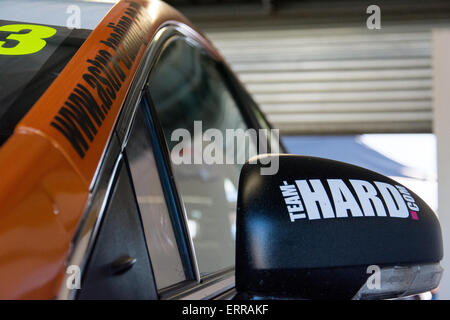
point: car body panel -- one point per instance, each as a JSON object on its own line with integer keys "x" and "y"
{"x": 46, "y": 177}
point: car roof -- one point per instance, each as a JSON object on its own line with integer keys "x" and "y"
{"x": 25, "y": 77}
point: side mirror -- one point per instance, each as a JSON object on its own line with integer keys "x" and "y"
{"x": 323, "y": 229}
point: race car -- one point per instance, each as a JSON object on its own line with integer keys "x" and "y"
{"x": 93, "y": 205}
{"x": 90, "y": 180}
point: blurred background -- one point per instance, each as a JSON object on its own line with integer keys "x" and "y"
{"x": 334, "y": 87}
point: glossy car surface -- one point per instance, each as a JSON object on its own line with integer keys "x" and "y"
{"x": 88, "y": 190}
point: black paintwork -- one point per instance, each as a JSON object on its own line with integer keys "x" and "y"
{"x": 119, "y": 267}
{"x": 325, "y": 258}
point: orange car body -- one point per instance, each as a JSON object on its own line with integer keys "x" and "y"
{"x": 45, "y": 181}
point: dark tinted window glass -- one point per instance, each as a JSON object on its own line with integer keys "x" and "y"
{"x": 24, "y": 78}
{"x": 187, "y": 86}
{"x": 161, "y": 242}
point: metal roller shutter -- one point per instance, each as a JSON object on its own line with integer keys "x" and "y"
{"x": 335, "y": 80}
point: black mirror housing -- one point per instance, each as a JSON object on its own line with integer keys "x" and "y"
{"x": 316, "y": 228}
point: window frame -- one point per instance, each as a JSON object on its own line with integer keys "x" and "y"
{"x": 203, "y": 288}
{"x": 220, "y": 283}
{"x": 170, "y": 202}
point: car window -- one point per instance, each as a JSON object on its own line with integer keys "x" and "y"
{"x": 186, "y": 86}
{"x": 25, "y": 77}
{"x": 159, "y": 232}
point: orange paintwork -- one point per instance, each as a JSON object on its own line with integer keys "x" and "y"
{"x": 44, "y": 183}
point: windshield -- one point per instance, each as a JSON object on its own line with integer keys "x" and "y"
{"x": 31, "y": 57}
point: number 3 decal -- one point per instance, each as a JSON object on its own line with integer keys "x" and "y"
{"x": 28, "y": 43}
